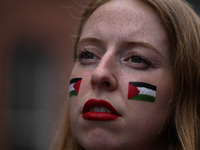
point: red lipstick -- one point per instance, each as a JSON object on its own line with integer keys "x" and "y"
{"x": 99, "y": 110}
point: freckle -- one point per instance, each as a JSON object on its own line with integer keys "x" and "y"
{"x": 81, "y": 95}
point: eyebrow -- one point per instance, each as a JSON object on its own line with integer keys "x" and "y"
{"x": 143, "y": 44}
{"x": 128, "y": 43}
{"x": 89, "y": 39}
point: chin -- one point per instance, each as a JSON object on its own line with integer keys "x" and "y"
{"x": 98, "y": 141}
{"x": 99, "y": 144}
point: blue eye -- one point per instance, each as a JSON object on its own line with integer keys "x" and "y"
{"x": 136, "y": 59}
{"x": 88, "y": 56}
{"x": 85, "y": 54}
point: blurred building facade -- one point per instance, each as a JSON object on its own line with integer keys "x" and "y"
{"x": 36, "y": 50}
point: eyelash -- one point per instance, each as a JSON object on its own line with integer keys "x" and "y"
{"x": 143, "y": 63}
{"x": 82, "y": 53}
{"x": 141, "y": 57}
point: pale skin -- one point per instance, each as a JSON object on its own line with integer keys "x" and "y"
{"x": 123, "y": 41}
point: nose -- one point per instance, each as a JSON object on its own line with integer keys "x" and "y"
{"x": 104, "y": 76}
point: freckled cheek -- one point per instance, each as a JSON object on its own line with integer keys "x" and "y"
{"x": 162, "y": 79}
{"x": 165, "y": 88}
{"x": 85, "y": 83}
{"x": 83, "y": 73}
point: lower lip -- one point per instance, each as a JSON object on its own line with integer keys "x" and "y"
{"x": 99, "y": 116}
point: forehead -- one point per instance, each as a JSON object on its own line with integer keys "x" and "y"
{"x": 125, "y": 11}
{"x": 126, "y": 20}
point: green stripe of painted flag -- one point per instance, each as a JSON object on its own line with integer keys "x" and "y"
{"x": 72, "y": 93}
{"x": 143, "y": 97}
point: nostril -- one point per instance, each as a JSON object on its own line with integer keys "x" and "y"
{"x": 107, "y": 84}
{"x": 105, "y": 81}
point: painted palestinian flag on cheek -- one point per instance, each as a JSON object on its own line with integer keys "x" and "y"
{"x": 74, "y": 86}
{"x": 141, "y": 91}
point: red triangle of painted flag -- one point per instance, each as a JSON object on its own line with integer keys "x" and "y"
{"x": 77, "y": 85}
{"x": 132, "y": 91}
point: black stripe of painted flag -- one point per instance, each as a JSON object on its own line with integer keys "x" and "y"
{"x": 141, "y": 91}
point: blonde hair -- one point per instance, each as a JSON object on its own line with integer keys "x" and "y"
{"x": 183, "y": 28}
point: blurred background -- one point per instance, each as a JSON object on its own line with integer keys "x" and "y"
{"x": 36, "y": 57}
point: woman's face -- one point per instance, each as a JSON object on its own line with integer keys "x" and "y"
{"x": 122, "y": 42}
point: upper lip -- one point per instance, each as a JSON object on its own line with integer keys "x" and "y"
{"x": 98, "y": 103}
